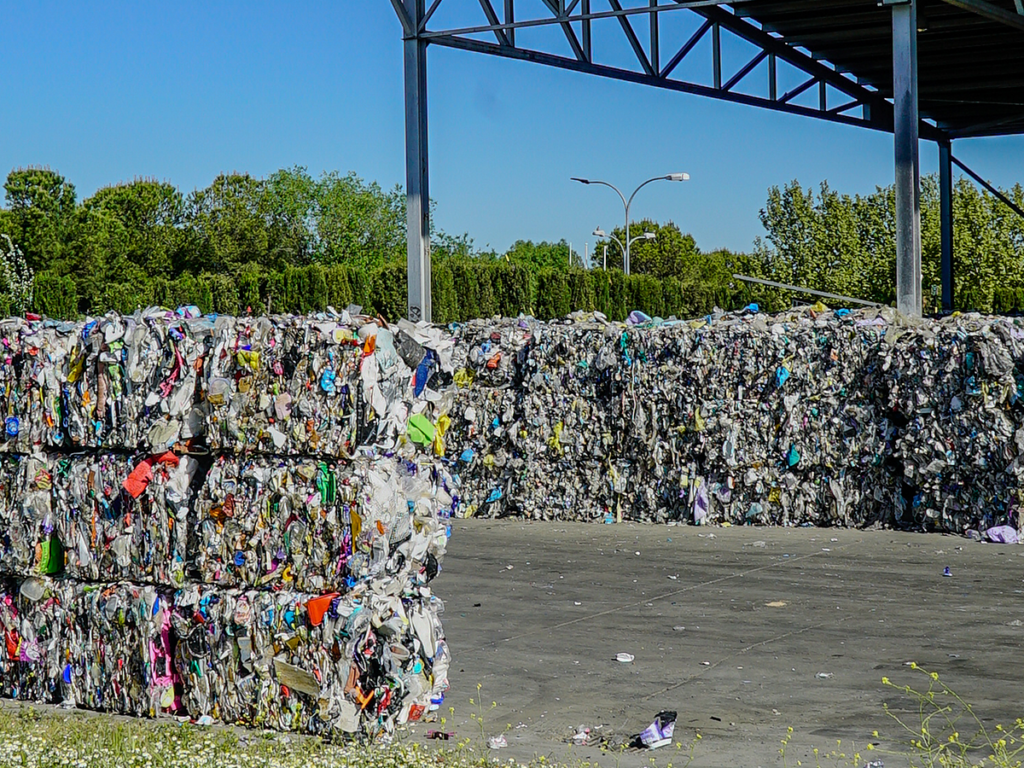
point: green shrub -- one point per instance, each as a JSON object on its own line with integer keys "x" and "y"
{"x": 645, "y": 294}
{"x": 390, "y": 295}
{"x": 273, "y": 298}
{"x": 339, "y": 287}
{"x": 513, "y": 292}
{"x": 618, "y": 296}
{"x": 248, "y": 281}
{"x": 53, "y": 295}
{"x": 581, "y": 290}
{"x": 673, "y": 301}
{"x": 223, "y": 294}
{"x": 362, "y": 289}
{"x": 444, "y": 299}
{"x": 601, "y": 282}
{"x": 465, "y": 276}
{"x": 125, "y": 298}
{"x": 553, "y": 298}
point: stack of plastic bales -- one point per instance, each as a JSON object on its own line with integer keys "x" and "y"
{"x": 232, "y": 518}
{"x": 809, "y": 417}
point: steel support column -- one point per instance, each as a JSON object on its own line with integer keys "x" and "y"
{"x": 946, "y": 221}
{"x": 908, "y": 169}
{"x": 416, "y": 166}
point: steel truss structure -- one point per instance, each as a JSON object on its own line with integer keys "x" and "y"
{"x": 825, "y": 44}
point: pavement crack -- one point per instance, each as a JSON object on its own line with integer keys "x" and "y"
{"x": 664, "y": 596}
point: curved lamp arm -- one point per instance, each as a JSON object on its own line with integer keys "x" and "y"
{"x": 630, "y": 201}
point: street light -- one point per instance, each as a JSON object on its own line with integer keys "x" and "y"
{"x": 626, "y": 203}
{"x": 630, "y": 240}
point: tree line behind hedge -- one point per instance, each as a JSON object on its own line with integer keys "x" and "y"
{"x": 292, "y": 243}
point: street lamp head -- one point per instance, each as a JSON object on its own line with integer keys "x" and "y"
{"x": 581, "y": 181}
{"x": 599, "y": 232}
{"x": 678, "y": 177}
{"x": 650, "y": 236}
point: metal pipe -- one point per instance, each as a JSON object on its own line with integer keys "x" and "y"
{"x": 908, "y": 173}
{"x": 946, "y": 222}
{"x": 811, "y": 291}
{"x": 416, "y": 169}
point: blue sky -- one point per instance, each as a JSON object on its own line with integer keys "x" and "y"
{"x": 104, "y": 92}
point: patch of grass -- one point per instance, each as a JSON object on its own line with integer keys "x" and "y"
{"x": 50, "y": 740}
{"x": 31, "y": 738}
{"x": 945, "y": 732}
{"x": 948, "y": 733}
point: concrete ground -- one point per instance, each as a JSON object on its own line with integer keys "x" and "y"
{"x": 743, "y": 631}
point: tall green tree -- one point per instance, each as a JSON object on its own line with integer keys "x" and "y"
{"x": 291, "y": 201}
{"x": 846, "y": 245}
{"x": 41, "y": 206}
{"x": 357, "y": 223}
{"x": 669, "y": 253}
{"x": 92, "y": 258}
{"x": 150, "y": 215}
{"x": 233, "y": 222}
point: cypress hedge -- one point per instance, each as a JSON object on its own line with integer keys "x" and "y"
{"x": 463, "y": 289}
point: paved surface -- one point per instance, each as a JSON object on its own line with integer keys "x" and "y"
{"x": 743, "y": 631}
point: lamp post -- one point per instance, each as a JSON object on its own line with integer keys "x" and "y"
{"x": 626, "y": 203}
{"x": 629, "y": 241}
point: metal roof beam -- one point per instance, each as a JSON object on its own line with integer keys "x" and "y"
{"x": 872, "y": 48}
{"x": 567, "y": 13}
{"x": 570, "y": 18}
{"x": 999, "y": 195}
{"x": 687, "y": 47}
{"x": 880, "y": 108}
{"x": 634, "y": 43}
{"x": 563, "y": 62}
{"x": 746, "y": 70}
{"x": 403, "y": 17}
{"x": 428, "y": 14}
{"x": 803, "y": 61}
{"x": 990, "y": 11}
{"x": 492, "y": 18}
{"x": 971, "y": 130}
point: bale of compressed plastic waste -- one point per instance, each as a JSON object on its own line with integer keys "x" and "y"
{"x": 315, "y": 663}
{"x": 32, "y": 618}
{"x": 313, "y": 526}
{"x": 227, "y": 518}
{"x": 118, "y": 517}
{"x": 812, "y": 416}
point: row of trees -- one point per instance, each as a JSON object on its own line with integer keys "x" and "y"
{"x": 145, "y": 229}
{"x": 247, "y": 243}
{"x": 847, "y": 244}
